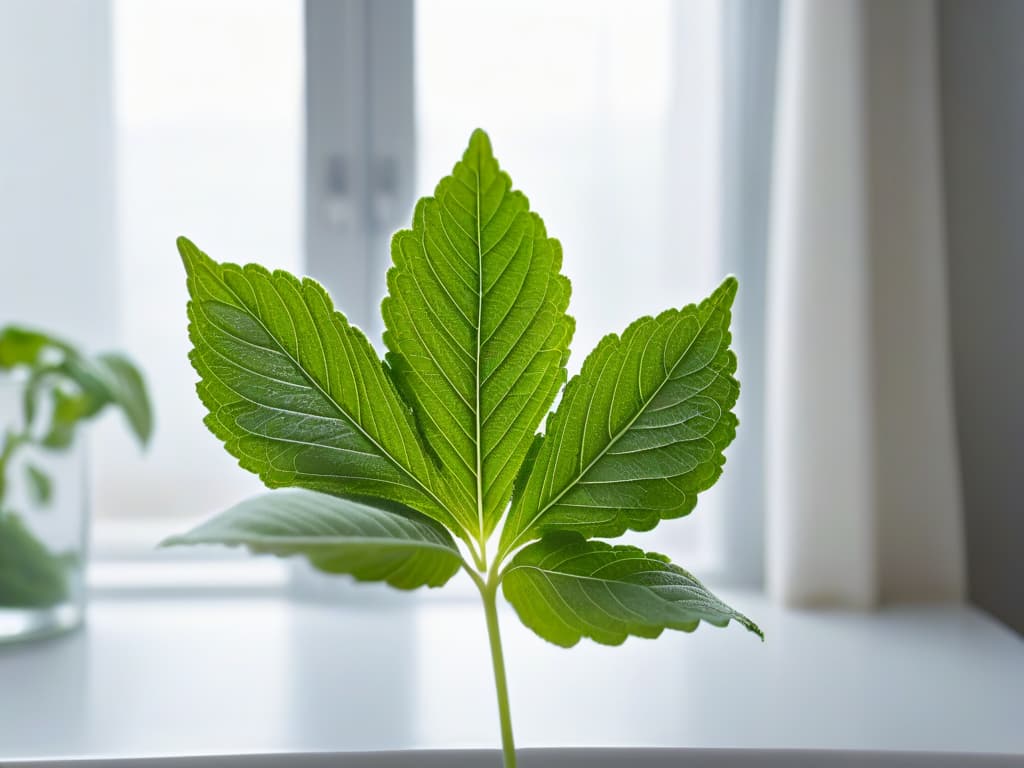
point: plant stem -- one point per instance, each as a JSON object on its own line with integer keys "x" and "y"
{"x": 489, "y": 594}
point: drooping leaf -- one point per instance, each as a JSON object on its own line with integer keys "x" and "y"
{"x": 639, "y": 432}
{"x": 565, "y": 587}
{"x": 127, "y": 390}
{"x": 40, "y": 486}
{"x": 337, "y": 536}
{"x": 298, "y": 394}
{"x": 110, "y": 379}
{"x": 476, "y": 327}
{"x": 30, "y": 575}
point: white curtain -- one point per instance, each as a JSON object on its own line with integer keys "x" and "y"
{"x": 862, "y": 483}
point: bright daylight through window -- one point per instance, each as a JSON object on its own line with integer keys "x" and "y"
{"x": 211, "y": 144}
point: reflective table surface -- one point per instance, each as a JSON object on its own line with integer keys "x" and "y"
{"x": 193, "y": 676}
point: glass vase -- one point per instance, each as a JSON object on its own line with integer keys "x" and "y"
{"x": 43, "y": 529}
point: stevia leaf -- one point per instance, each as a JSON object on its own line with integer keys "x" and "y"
{"x": 565, "y": 587}
{"x": 298, "y": 394}
{"x": 638, "y": 433}
{"x": 476, "y": 327}
{"x": 337, "y": 536}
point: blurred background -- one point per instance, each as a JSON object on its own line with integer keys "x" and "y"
{"x": 858, "y": 165}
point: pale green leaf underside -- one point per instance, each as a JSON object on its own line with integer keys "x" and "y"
{"x": 565, "y": 588}
{"x": 297, "y": 394}
{"x": 337, "y": 536}
{"x": 476, "y": 328}
{"x": 638, "y": 433}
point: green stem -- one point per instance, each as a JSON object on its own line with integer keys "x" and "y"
{"x": 489, "y": 593}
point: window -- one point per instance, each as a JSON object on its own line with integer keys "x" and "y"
{"x": 299, "y": 135}
{"x": 208, "y": 144}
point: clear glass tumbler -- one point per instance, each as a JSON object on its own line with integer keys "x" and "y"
{"x": 44, "y": 521}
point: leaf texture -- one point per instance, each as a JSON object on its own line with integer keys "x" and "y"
{"x": 477, "y": 327}
{"x": 337, "y": 536}
{"x": 298, "y": 394}
{"x": 564, "y": 588}
{"x": 639, "y": 432}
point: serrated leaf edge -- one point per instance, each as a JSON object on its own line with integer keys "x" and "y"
{"x": 723, "y": 294}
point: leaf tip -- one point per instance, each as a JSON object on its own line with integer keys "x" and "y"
{"x": 479, "y": 139}
{"x": 479, "y": 152}
{"x": 751, "y": 626}
{"x": 143, "y": 435}
{"x": 189, "y": 253}
{"x": 726, "y": 292}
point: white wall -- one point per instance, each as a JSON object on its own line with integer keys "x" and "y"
{"x": 57, "y": 168}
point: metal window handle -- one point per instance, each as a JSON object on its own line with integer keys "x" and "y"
{"x": 339, "y": 199}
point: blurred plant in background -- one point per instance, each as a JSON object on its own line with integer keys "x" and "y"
{"x": 59, "y": 388}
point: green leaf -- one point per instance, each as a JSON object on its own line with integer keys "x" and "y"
{"x": 126, "y": 389}
{"x": 39, "y": 484}
{"x": 21, "y": 346}
{"x": 638, "y": 433}
{"x": 476, "y": 327}
{"x": 30, "y": 575}
{"x": 298, "y": 394}
{"x": 107, "y": 379}
{"x": 337, "y": 536}
{"x": 564, "y": 588}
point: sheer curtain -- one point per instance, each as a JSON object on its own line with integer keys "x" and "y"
{"x": 863, "y": 493}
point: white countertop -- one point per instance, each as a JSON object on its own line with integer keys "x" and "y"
{"x": 206, "y": 676}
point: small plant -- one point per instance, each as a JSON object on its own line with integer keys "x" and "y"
{"x": 61, "y": 389}
{"x": 413, "y": 466}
